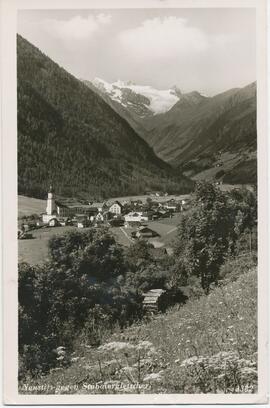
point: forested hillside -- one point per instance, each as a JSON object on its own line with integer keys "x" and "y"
{"x": 200, "y": 133}
{"x": 68, "y": 136}
{"x": 218, "y": 132}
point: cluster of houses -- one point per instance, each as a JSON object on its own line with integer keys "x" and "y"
{"x": 83, "y": 215}
{"x": 132, "y": 214}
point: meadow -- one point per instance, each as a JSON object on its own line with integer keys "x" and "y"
{"x": 35, "y": 251}
{"x": 209, "y": 345}
{"x": 28, "y": 206}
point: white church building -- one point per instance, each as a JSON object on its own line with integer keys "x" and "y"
{"x": 51, "y": 208}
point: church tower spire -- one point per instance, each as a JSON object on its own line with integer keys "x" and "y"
{"x": 51, "y": 206}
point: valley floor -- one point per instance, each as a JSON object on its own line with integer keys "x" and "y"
{"x": 35, "y": 251}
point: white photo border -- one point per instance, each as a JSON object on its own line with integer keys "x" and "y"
{"x": 9, "y": 9}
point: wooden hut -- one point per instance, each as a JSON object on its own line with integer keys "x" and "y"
{"x": 153, "y": 300}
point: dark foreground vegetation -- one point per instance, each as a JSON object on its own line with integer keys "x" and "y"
{"x": 93, "y": 288}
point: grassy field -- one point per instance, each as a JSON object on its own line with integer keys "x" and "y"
{"x": 209, "y": 345}
{"x": 28, "y": 206}
{"x": 35, "y": 251}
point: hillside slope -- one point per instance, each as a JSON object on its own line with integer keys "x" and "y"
{"x": 68, "y": 136}
{"x": 218, "y": 133}
{"x": 200, "y": 133}
{"x": 209, "y": 345}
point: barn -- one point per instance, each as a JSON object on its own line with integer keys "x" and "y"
{"x": 153, "y": 301}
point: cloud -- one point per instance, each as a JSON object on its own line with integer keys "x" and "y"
{"x": 164, "y": 38}
{"x": 77, "y": 28}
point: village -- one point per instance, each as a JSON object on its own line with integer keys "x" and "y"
{"x": 153, "y": 217}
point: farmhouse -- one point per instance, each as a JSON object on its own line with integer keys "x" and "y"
{"x": 101, "y": 217}
{"x": 116, "y": 208}
{"x": 53, "y": 222}
{"x": 98, "y": 206}
{"x": 135, "y": 217}
{"x": 145, "y": 232}
{"x": 171, "y": 206}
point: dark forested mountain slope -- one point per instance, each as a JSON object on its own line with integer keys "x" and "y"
{"x": 201, "y": 133}
{"x": 68, "y": 136}
{"x": 223, "y": 122}
{"x": 216, "y": 138}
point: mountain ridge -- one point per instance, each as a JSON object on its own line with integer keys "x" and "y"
{"x": 70, "y": 136}
{"x": 197, "y": 126}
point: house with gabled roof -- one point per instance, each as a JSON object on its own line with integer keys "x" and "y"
{"x": 116, "y": 208}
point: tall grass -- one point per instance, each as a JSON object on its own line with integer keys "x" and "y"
{"x": 207, "y": 346}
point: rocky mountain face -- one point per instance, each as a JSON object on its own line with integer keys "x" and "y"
{"x": 68, "y": 136}
{"x": 206, "y": 137}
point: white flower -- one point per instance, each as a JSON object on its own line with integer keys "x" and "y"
{"x": 189, "y": 361}
{"x": 128, "y": 369}
{"x": 60, "y": 348}
{"x": 153, "y": 377}
{"x": 116, "y": 346}
{"x": 144, "y": 345}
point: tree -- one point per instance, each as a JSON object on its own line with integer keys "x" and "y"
{"x": 83, "y": 280}
{"x": 205, "y": 236}
{"x": 93, "y": 253}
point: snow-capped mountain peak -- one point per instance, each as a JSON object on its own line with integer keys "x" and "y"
{"x": 145, "y": 100}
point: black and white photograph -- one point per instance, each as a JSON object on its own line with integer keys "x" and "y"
{"x": 137, "y": 200}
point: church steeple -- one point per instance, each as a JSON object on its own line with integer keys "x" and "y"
{"x": 51, "y": 206}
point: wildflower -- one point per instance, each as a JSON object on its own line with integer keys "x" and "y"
{"x": 153, "y": 377}
{"x": 61, "y": 351}
{"x": 74, "y": 359}
{"x": 128, "y": 369}
{"x": 189, "y": 361}
{"x": 187, "y": 341}
{"x": 220, "y": 376}
{"x": 116, "y": 346}
{"x": 143, "y": 345}
{"x": 177, "y": 360}
{"x": 60, "y": 348}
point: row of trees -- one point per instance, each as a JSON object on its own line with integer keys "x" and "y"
{"x": 92, "y": 284}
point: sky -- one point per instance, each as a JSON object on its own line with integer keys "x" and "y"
{"x": 208, "y": 50}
